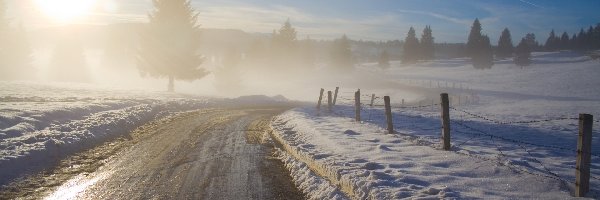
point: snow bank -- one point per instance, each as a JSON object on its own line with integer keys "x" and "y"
{"x": 41, "y": 124}
{"x": 366, "y": 163}
{"x": 490, "y": 157}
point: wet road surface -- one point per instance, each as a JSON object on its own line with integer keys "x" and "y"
{"x": 211, "y": 154}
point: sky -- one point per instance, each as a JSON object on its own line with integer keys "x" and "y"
{"x": 359, "y": 19}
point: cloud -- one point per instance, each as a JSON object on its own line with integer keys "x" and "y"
{"x": 532, "y": 4}
{"x": 466, "y": 22}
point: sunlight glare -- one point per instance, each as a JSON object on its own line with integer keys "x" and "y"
{"x": 65, "y": 10}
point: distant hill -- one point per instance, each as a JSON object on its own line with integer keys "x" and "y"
{"x": 98, "y": 36}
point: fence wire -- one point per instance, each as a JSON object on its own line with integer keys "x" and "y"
{"x": 370, "y": 107}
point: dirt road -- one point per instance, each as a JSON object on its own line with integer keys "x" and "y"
{"x": 211, "y": 154}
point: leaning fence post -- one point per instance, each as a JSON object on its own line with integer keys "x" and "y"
{"x": 329, "y": 101}
{"x": 388, "y": 114}
{"x": 445, "y": 121}
{"x": 584, "y": 150}
{"x": 372, "y": 99}
{"x": 357, "y": 105}
{"x": 320, "y": 99}
{"x": 335, "y": 95}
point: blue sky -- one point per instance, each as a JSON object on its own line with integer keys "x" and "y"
{"x": 368, "y": 20}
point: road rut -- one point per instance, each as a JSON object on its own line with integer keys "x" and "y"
{"x": 205, "y": 155}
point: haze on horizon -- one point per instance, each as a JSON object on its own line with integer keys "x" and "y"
{"x": 102, "y": 31}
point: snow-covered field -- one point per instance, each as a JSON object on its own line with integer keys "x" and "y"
{"x": 492, "y": 158}
{"x": 42, "y": 123}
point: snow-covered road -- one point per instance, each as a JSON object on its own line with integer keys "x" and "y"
{"x": 207, "y": 154}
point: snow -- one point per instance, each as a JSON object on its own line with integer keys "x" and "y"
{"x": 490, "y": 158}
{"x": 42, "y": 123}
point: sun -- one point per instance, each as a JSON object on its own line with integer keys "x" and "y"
{"x": 65, "y": 11}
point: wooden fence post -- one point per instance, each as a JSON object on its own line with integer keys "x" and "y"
{"x": 372, "y": 99}
{"x": 357, "y": 105}
{"x": 388, "y": 114}
{"x": 335, "y": 95}
{"x": 584, "y": 150}
{"x": 445, "y": 121}
{"x": 320, "y": 99}
{"x": 329, "y": 101}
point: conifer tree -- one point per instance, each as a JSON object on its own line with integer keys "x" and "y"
{"x": 530, "y": 40}
{"x": 341, "y": 55}
{"x": 484, "y": 59}
{"x": 564, "y": 41}
{"x": 411, "y": 47}
{"x": 286, "y": 37}
{"x": 523, "y": 54}
{"x": 596, "y": 37}
{"x": 169, "y": 44}
{"x": 589, "y": 39}
{"x": 474, "y": 38}
{"x": 505, "y": 45}
{"x": 427, "y": 44}
{"x": 580, "y": 43}
{"x": 384, "y": 60}
{"x": 286, "y": 50}
{"x": 551, "y": 42}
{"x": 479, "y": 48}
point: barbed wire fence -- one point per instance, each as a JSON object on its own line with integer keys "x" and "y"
{"x": 407, "y": 116}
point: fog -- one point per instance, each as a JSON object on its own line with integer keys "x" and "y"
{"x": 239, "y": 63}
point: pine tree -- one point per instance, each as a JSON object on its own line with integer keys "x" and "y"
{"x": 427, "y": 44}
{"x": 170, "y": 43}
{"x": 384, "y": 60}
{"x": 411, "y": 47}
{"x": 589, "y": 39}
{"x": 479, "y": 48}
{"x": 341, "y": 55}
{"x": 551, "y": 42}
{"x": 564, "y": 41}
{"x": 286, "y": 37}
{"x": 474, "y": 38}
{"x": 307, "y": 52}
{"x": 596, "y": 37}
{"x": 573, "y": 42}
{"x": 523, "y": 54}
{"x": 531, "y": 42}
{"x": 286, "y": 52}
{"x": 484, "y": 59}
{"x": 505, "y": 45}
{"x": 580, "y": 43}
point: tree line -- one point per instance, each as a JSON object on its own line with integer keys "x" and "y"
{"x": 582, "y": 41}
{"x": 168, "y": 47}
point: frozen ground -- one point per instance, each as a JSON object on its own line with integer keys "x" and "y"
{"x": 514, "y": 132}
{"x": 42, "y": 123}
